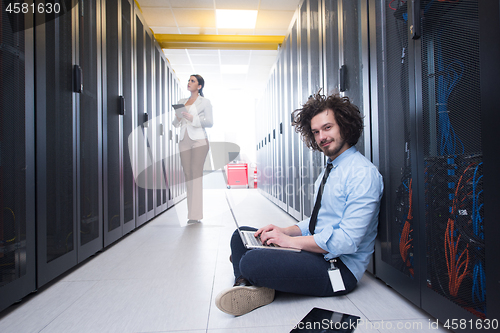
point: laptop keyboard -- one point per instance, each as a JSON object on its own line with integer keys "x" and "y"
{"x": 255, "y": 241}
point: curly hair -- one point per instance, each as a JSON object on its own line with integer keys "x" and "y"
{"x": 346, "y": 114}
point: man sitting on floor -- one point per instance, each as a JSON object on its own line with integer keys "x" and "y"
{"x": 342, "y": 227}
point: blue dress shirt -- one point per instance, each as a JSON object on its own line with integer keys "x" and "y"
{"x": 348, "y": 217}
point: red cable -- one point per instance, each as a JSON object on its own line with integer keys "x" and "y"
{"x": 390, "y": 5}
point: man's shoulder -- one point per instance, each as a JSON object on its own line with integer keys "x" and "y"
{"x": 358, "y": 162}
{"x": 358, "y": 159}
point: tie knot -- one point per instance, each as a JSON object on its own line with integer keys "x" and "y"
{"x": 329, "y": 167}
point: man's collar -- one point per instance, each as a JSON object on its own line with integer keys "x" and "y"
{"x": 342, "y": 156}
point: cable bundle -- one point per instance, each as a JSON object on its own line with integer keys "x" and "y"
{"x": 448, "y": 77}
{"x": 403, "y": 221}
{"x": 456, "y": 238}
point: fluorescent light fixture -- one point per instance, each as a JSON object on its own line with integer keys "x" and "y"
{"x": 234, "y": 69}
{"x": 236, "y": 19}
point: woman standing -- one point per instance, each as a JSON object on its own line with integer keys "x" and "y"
{"x": 193, "y": 144}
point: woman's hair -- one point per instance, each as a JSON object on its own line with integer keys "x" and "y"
{"x": 201, "y": 82}
{"x": 347, "y": 117}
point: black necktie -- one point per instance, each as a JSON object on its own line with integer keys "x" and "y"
{"x": 317, "y": 205}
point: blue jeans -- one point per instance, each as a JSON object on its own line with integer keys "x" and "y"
{"x": 302, "y": 272}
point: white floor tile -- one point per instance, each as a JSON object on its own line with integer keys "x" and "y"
{"x": 139, "y": 306}
{"x": 379, "y": 302}
{"x": 40, "y": 309}
{"x": 164, "y": 277}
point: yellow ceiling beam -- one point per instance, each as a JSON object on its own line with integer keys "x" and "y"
{"x": 223, "y": 42}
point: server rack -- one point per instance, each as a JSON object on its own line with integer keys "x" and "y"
{"x": 69, "y": 130}
{"x": 89, "y": 131}
{"x": 178, "y": 171}
{"x": 353, "y": 66}
{"x": 395, "y": 255}
{"x": 280, "y": 132}
{"x": 159, "y": 181}
{"x": 353, "y": 74}
{"x": 311, "y": 78}
{"x": 274, "y": 138}
{"x": 268, "y": 171}
{"x": 268, "y": 142}
{"x": 452, "y": 150}
{"x": 163, "y": 133}
{"x": 17, "y": 153}
{"x": 331, "y": 62}
{"x": 117, "y": 121}
{"x": 140, "y": 132}
{"x": 129, "y": 118}
{"x": 305, "y": 166}
{"x": 56, "y": 144}
{"x": 176, "y": 168}
{"x": 434, "y": 119}
{"x": 150, "y": 128}
{"x": 170, "y": 140}
{"x": 295, "y": 147}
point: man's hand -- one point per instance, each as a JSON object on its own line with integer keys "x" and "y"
{"x": 272, "y": 234}
{"x": 288, "y": 237}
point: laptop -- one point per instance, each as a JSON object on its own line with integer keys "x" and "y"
{"x": 248, "y": 238}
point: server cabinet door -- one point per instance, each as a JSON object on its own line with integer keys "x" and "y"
{"x": 17, "y": 170}
{"x": 174, "y": 172}
{"x": 315, "y": 84}
{"x": 311, "y": 83}
{"x": 89, "y": 131}
{"x": 170, "y": 139}
{"x": 130, "y": 116}
{"x": 56, "y": 145}
{"x": 116, "y": 106}
{"x": 273, "y": 124}
{"x": 330, "y": 41}
{"x": 140, "y": 133}
{"x": 280, "y": 131}
{"x": 295, "y": 147}
{"x": 489, "y": 49}
{"x": 150, "y": 130}
{"x": 158, "y": 138}
{"x": 395, "y": 261}
{"x": 354, "y": 66}
{"x": 306, "y": 54}
{"x": 112, "y": 126}
{"x": 164, "y": 135}
{"x": 179, "y": 171}
{"x": 452, "y": 177}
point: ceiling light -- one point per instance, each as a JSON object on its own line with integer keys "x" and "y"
{"x": 236, "y": 19}
{"x": 234, "y": 69}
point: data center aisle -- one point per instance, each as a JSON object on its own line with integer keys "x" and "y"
{"x": 164, "y": 277}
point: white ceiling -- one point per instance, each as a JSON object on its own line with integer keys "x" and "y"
{"x": 198, "y": 17}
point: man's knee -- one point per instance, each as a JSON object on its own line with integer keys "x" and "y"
{"x": 253, "y": 265}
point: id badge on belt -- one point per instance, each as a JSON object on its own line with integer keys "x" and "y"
{"x": 335, "y": 276}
